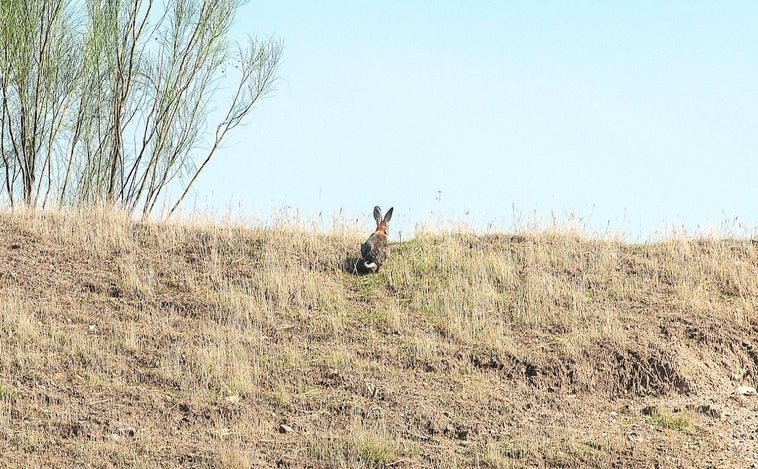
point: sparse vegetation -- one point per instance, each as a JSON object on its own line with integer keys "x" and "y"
{"x": 7, "y": 394}
{"x": 671, "y": 421}
{"x": 193, "y": 344}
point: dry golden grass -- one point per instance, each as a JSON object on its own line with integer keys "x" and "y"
{"x": 194, "y": 344}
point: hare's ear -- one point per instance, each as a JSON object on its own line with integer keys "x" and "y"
{"x": 388, "y": 215}
{"x": 377, "y": 215}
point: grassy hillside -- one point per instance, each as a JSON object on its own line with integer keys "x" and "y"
{"x": 146, "y": 345}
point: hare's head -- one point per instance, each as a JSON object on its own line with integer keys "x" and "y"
{"x": 382, "y": 223}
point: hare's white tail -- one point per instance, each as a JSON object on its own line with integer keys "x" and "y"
{"x": 366, "y": 267}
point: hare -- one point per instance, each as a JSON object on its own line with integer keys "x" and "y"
{"x": 374, "y": 251}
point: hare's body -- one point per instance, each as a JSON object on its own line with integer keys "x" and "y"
{"x": 375, "y": 250}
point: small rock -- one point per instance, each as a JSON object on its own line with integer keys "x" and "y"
{"x": 284, "y": 428}
{"x": 649, "y": 410}
{"x": 92, "y": 327}
{"x": 222, "y": 433}
{"x": 709, "y": 411}
{"x": 746, "y": 391}
{"x": 121, "y": 429}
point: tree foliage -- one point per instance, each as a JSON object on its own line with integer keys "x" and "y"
{"x": 109, "y": 102}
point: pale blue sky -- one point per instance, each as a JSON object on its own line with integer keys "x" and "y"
{"x": 641, "y": 114}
